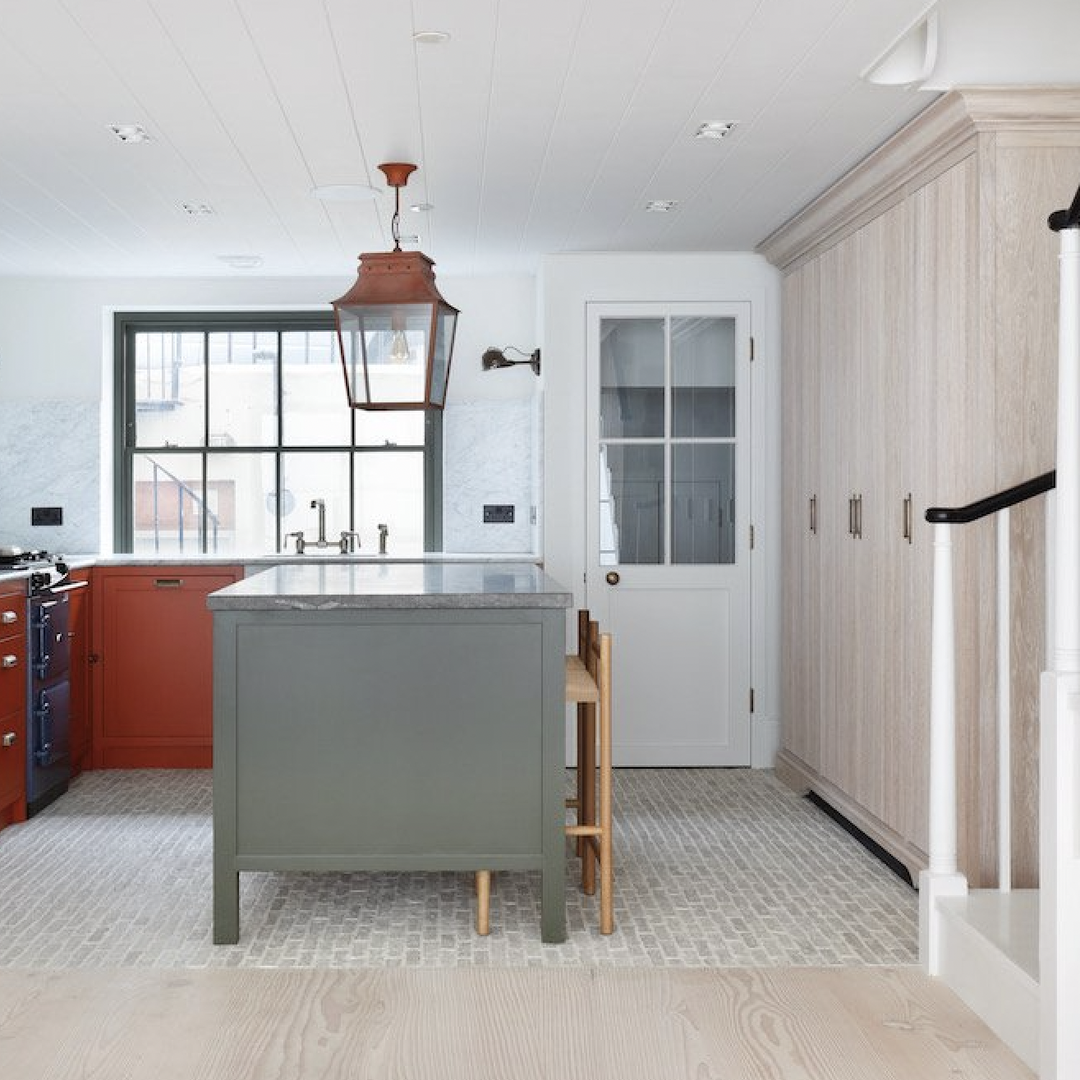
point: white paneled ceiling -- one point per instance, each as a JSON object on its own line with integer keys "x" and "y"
{"x": 537, "y": 126}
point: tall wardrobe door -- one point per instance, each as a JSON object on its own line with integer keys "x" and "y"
{"x": 801, "y": 496}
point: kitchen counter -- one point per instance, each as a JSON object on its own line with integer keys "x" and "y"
{"x": 376, "y": 716}
{"x": 394, "y": 586}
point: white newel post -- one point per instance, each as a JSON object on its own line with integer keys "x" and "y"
{"x": 941, "y": 877}
{"x": 1059, "y": 750}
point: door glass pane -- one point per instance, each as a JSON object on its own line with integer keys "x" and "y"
{"x": 631, "y": 378}
{"x": 243, "y": 388}
{"x": 389, "y": 490}
{"x": 306, "y": 477}
{"x": 703, "y": 377}
{"x": 169, "y": 389}
{"x": 167, "y": 503}
{"x": 632, "y": 491}
{"x": 315, "y": 405}
{"x": 703, "y": 503}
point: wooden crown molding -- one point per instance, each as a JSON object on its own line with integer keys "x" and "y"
{"x": 943, "y": 133}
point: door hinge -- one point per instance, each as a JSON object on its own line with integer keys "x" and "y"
{"x": 751, "y": 537}
{"x": 751, "y": 699}
{"x": 751, "y": 348}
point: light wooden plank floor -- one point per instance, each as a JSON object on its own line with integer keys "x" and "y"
{"x": 503, "y": 1024}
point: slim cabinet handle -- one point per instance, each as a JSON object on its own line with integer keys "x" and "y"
{"x": 168, "y": 583}
{"x": 854, "y": 517}
{"x": 908, "y": 519}
{"x": 813, "y": 514}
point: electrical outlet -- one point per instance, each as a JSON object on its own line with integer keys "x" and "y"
{"x": 498, "y": 513}
{"x": 46, "y": 515}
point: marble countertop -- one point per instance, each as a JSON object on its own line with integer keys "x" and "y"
{"x": 379, "y": 584}
{"x": 253, "y": 563}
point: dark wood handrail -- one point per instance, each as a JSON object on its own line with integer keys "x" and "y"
{"x": 962, "y": 515}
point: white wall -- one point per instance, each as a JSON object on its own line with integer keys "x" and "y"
{"x": 56, "y": 387}
{"x": 567, "y": 283}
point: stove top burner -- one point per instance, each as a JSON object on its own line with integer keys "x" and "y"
{"x": 16, "y": 558}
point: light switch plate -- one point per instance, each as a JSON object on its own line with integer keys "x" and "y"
{"x": 498, "y": 513}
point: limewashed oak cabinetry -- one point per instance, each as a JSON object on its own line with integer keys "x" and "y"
{"x": 919, "y": 360}
{"x": 153, "y": 643}
{"x": 12, "y": 703}
{"x": 373, "y": 716}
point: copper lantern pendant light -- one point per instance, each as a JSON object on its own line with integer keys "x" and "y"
{"x": 395, "y": 331}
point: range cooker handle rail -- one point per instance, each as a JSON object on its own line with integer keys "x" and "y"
{"x": 43, "y": 746}
{"x": 42, "y": 656}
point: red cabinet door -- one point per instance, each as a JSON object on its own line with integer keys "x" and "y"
{"x": 154, "y": 641}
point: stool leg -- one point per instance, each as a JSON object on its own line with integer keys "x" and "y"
{"x": 483, "y": 902}
{"x": 607, "y": 870}
{"x": 587, "y": 793}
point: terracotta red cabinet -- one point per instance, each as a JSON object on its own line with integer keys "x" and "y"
{"x": 12, "y": 704}
{"x": 153, "y": 638}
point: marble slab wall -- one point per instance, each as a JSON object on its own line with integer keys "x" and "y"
{"x": 50, "y": 455}
{"x": 490, "y": 457}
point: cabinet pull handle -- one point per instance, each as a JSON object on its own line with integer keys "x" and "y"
{"x": 858, "y": 519}
{"x": 10, "y": 660}
{"x": 813, "y": 514}
{"x": 851, "y": 516}
{"x": 907, "y": 518}
{"x": 10, "y": 738}
{"x": 168, "y": 583}
{"x": 7, "y": 617}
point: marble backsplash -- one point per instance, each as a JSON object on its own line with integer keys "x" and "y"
{"x": 50, "y": 456}
{"x": 490, "y": 456}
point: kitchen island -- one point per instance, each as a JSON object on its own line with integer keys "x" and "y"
{"x": 374, "y": 716}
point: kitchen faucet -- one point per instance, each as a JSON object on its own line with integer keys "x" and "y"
{"x": 348, "y": 543}
{"x": 320, "y": 505}
{"x": 384, "y": 532}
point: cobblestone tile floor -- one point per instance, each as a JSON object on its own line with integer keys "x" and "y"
{"x": 714, "y": 868}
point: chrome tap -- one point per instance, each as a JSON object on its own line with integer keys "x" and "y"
{"x": 320, "y": 505}
{"x": 350, "y": 541}
{"x": 300, "y": 543}
{"x": 384, "y": 532}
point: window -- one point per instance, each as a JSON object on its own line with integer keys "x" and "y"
{"x": 230, "y": 426}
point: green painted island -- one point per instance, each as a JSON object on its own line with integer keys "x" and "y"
{"x": 374, "y": 716}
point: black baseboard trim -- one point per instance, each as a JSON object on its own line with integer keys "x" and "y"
{"x": 868, "y": 842}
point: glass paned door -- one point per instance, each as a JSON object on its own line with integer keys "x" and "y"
{"x": 668, "y": 565}
{"x": 667, "y": 446}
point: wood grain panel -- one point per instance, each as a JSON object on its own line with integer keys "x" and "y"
{"x": 936, "y": 332}
{"x": 529, "y": 1024}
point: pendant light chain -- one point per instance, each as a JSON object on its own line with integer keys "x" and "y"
{"x": 395, "y": 221}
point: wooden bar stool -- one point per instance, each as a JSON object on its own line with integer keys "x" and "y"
{"x": 588, "y": 686}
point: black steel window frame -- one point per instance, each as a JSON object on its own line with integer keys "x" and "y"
{"x": 127, "y": 325}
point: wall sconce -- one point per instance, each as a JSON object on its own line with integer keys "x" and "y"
{"x": 496, "y": 358}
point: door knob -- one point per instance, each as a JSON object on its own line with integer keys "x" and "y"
{"x": 612, "y": 577}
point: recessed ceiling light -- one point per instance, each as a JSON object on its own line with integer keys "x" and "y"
{"x": 242, "y": 262}
{"x": 661, "y": 206}
{"x": 199, "y": 209}
{"x": 130, "y": 133}
{"x": 715, "y": 129}
{"x": 422, "y": 207}
{"x": 345, "y": 192}
{"x": 430, "y": 37}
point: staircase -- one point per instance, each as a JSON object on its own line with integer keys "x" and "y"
{"x": 1014, "y": 956}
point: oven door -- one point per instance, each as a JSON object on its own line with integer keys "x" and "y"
{"x": 50, "y": 643}
{"x": 50, "y": 742}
